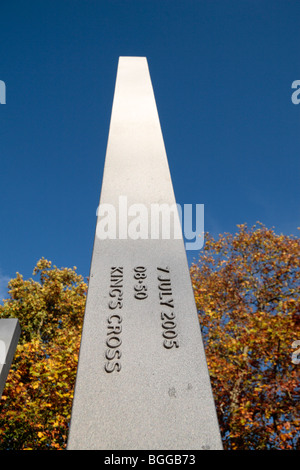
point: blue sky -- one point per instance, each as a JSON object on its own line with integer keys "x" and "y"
{"x": 221, "y": 71}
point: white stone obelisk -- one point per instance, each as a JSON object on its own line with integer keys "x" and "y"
{"x": 10, "y": 331}
{"x": 142, "y": 379}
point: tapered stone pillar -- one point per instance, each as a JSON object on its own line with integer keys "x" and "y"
{"x": 142, "y": 379}
{"x": 9, "y": 336}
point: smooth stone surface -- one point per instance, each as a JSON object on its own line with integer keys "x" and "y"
{"x": 141, "y": 383}
{"x": 9, "y": 336}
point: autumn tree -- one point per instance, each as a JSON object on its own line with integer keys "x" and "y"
{"x": 247, "y": 293}
{"x": 36, "y": 403}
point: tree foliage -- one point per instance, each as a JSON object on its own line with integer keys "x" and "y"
{"x": 36, "y": 402}
{"x": 247, "y": 293}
